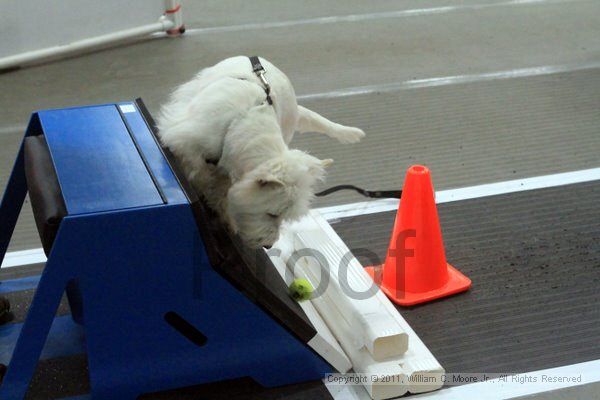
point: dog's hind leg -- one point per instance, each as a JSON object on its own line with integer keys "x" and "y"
{"x": 310, "y": 121}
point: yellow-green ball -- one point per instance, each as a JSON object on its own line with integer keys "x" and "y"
{"x": 300, "y": 290}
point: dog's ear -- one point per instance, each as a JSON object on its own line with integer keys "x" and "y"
{"x": 317, "y": 167}
{"x": 326, "y": 162}
{"x": 269, "y": 181}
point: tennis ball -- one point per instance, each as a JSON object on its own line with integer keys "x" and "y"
{"x": 300, "y": 290}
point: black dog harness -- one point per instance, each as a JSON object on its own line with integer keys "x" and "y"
{"x": 260, "y": 72}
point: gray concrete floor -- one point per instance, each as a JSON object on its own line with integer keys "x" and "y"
{"x": 468, "y": 134}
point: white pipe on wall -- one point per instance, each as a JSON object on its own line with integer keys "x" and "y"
{"x": 163, "y": 24}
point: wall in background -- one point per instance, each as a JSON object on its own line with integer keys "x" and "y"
{"x": 27, "y": 25}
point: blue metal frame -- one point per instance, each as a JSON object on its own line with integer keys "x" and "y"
{"x": 133, "y": 264}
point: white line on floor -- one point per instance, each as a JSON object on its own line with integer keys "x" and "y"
{"x": 451, "y": 80}
{"x": 497, "y": 389}
{"x": 366, "y": 17}
{"x": 33, "y": 256}
{"x": 11, "y": 129}
{"x": 471, "y": 192}
{"x": 24, "y": 257}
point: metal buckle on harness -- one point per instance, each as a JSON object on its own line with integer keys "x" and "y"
{"x": 260, "y": 71}
{"x": 261, "y": 74}
{"x": 263, "y": 79}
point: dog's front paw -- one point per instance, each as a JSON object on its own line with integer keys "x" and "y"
{"x": 350, "y": 135}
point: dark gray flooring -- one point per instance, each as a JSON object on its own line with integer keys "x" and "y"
{"x": 468, "y": 134}
{"x": 534, "y": 259}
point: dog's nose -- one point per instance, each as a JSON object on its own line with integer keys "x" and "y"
{"x": 268, "y": 246}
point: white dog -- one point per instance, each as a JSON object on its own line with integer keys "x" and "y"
{"x": 232, "y": 145}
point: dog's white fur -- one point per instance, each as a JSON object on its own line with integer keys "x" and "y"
{"x": 222, "y": 114}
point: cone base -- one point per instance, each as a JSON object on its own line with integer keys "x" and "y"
{"x": 457, "y": 282}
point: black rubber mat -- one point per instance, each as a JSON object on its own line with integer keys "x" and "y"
{"x": 21, "y": 271}
{"x": 21, "y": 299}
{"x": 60, "y": 377}
{"x": 534, "y": 259}
{"x": 68, "y": 376}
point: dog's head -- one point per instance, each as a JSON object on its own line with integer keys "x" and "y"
{"x": 277, "y": 190}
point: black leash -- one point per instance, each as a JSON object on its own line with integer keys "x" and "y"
{"x": 374, "y": 194}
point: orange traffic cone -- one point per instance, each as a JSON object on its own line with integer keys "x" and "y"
{"x": 415, "y": 270}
